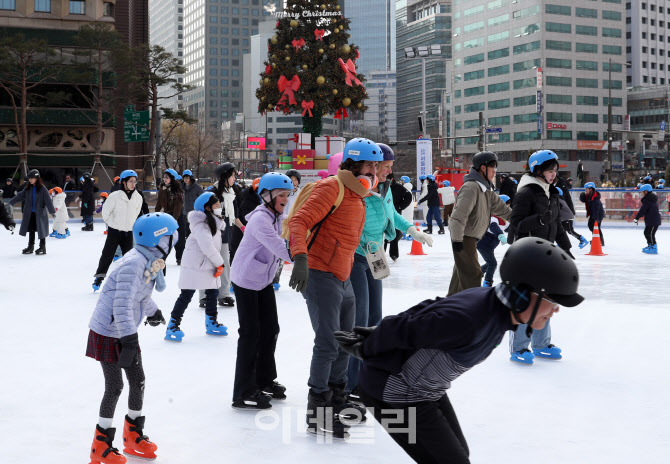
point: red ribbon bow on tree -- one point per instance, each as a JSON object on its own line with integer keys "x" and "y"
{"x": 297, "y": 44}
{"x": 268, "y": 69}
{"x": 349, "y": 69}
{"x": 287, "y": 88}
{"x": 307, "y": 107}
{"x": 319, "y": 33}
{"x": 341, "y": 113}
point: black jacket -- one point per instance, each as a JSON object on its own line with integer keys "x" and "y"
{"x": 88, "y": 190}
{"x": 508, "y": 187}
{"x": 649, "y": 209}
{"x": 5, "y": 218}
{"x": 563, "y": 185}
{"x": 8, "y": 191}
{"x": 402, "y": 197}
{"x": 432, "y": 198}
{"x": 71, "y": 185}
{"x": 530, "y": 202}
{"x": 594, "y": 207}
{"x": 247, "y": 201}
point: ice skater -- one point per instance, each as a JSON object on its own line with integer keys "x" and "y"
{"x": 6, "y": 218}
{"x": 594, "y": 208}
{"x": 448, "y": 199}
{"x": 88, "y": 191}
{"x": 201, "y": 266}
{"x": 259, "y": 254}
{"x": 124, "y": 302}
{"x": 568, "y": 219}
{"x": 652, "y": 218}
{"x": 494, "y": 236}
{"x": 60, "y": 229}
{"x": 36, "y": 207}
{"x": 410, "y": 359}
{"x": 432, "y": 199}
{"x": 170, "y": 194}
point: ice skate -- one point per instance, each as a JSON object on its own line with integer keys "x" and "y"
{"x": 349, "y": 413}
{"x": 429, "y": 230}
{"x": 67, "y": 232}
{"x": 582, "y": 242}
{"x": 102, "y": 451}
{"x": 276, "y": 286}
{"x": 173, "y": 333}
{"x": 524, "y": 356}
{"x": 42, "y": 250}
{"x": 61, "y": 235}
{"x": 255, "y": 402}
{"x": 53, "y": 233}
{"x": 650, "y": 250}
{"x": 550, "y": 352}
{"x": 214, "y": 328}
{"x": 276, "y": 391}
{"x": 441, "y": 231}
{"x": 116, "y": 258}
{"x": 29, "y": 249}
{"x": 487, "y": 283}
{"x": 97, "y": 283}
{"x": 135, "y": 443}
{"x": 87, "y": 227}
{"x": 203, "y": 302}
{"x": 321, "y": 419}
{"x": 226, "y": 301}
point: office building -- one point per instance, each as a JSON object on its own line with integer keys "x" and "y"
{"x": 166, "y": 26}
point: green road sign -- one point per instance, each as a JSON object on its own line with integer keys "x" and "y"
{"x": 135, "y": 125}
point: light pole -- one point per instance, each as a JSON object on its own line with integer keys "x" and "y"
{"x": 423, "y": 52}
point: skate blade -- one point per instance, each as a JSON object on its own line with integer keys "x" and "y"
{"x": 142, "y": 457}
{"x": 327, "y": 433}
{"x": 170, "y": 339}
{"x": 220, "y": 334}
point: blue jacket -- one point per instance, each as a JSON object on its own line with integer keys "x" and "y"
{"x": 125, "y": 299}
{"x": 649, "y": 209}
{"x": 381, "y": 220}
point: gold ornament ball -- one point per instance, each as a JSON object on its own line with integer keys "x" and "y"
{"x": 288, "y": 58}
{"x": 334, "y": 21}
{"x": 262, "y": 98}
{"x": 304, "y": 67}
{"x": 273, "y": 40}
{"x": 346, "y": 48}
{"x": 274, "y": 65}
{"x": 337, "y": 7}
{"x": 270, "y": 107}
{"x": 320, "y": 80}
{"x": 321, "y": 51}
{"x": 336, "y": 30}
{"x": 266, "y": 81}
{"x": 332, "y": 46}
{"x": 359, "y": 105}
{"x": 293, "y": 23}
{"x": 323, "y": 7}
{"x": 334, "y": 91}
{"x": 274, "y": 57}
{"x": 346, "y": 101}
{"x": 287, "y": 46}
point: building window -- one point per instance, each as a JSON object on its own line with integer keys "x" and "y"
{"x": 586, "y": 65}
{"x": 77, "y": 7}
{"x": 587, "y": 83}
{"x": 586, "y": 48}
{"x": 42, "y": 6}
{"x": 525, "y": 83}
{"x": 498, "y": 70}
{"x": 558, "y": 63}
{"x": 559, "y": 135}
{"x": 559, "y": 117}
{"x": 585, "y": 117}
{"x": 559, "y": 45}
{"x": 501, "y": 53}
{"x": 470, "y": 76}
{"x": 474, "y": 59}
{"x": 560, "y": 99}
{"x": 587, "y": 100}
{"x": 525, "y": 118}
{"x": 524, "y": 101}
{"x": 615, "y": 101}
{"x": 615, "y": 50}
{"x": 590, "y": 135}
{"x": 498, "y": 121}
{"x": 558, "y": 10}
{"x": 499, "y": 104}
{"x": 586, "y": 13}
{"x": 559, "y": 27}
{"x": 528, "y": 47}
{"x": 500, "y": 87}
{"x": 108, "y": 10}
{"x": 586, "y": 30}
{"x": 7, "y": 4}
{"x": 472, "y": 91}
{"x": 559, "y": 81}
{"x": 525, "y": 136}
{"x": 611, "y": 15}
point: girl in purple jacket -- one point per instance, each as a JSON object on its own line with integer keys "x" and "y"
{"x": 256, "y": 260}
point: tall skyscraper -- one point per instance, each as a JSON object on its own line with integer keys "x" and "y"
{"x": 373, "y": 29}
{"x": 382, "y": 113}
{"x": 166, "y": 28}
{"x": 648, "y": 42}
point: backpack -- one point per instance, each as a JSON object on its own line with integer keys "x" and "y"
{"x": 300, "y": 200}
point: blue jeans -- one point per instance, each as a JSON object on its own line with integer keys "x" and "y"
{"x": 489, "y": 268}
{"x": 368, "y": 292}
{"x": 434, "y": 213}
{"x": 88, "y": 219}
{"x": 539, "y": 338}
{"x": 332, "y": 305}
{"x": 185, "y": 298}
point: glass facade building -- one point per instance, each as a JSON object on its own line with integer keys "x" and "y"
{"x": 373, "y": 29}
{"x": 166, "y": 29}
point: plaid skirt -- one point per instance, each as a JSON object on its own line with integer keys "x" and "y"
{"x": 104, "y": 349}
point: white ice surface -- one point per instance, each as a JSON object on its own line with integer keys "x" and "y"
{"x": 605, "y": 402}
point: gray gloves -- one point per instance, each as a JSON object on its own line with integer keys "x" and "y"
{"x": 300, "y": 273}
{"x": 352, "y": 342}
{"x": 155, "y": 320}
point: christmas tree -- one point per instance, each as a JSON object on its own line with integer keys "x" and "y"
{"x": 311, "y": 67}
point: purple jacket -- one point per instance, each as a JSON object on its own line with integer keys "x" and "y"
{"x": 260, "y": 251}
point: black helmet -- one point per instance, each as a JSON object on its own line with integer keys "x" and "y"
{"x": 223, "y": 170}
{"x": 9, "y": 179}
{"x": 544, "y": 268}
{"x": 86, "y": 175}
{"x": 33, "y": 174}
{"x": 483, "y": 158}
{"x": 294, "y": 173}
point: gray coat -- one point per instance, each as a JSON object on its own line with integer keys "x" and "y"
{"x": 42, "y": 205}
{"x": 191, "y": 192}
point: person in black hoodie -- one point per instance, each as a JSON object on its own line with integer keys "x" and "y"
{"x": 402, "y": 198}
{"x": 247, "y": 201}
{"x": 9, "y": 189}
{"x": 411, "y": 359}
{"x": 432, "y": 198}
{"x": 565, "y": 187}
{"x": 5, "y": 217}
{"x": 88, "y": 190}
{"x": 594, "y": 208}
{"x": 652, "y": 218}
{"x": 536, "y": 212}
{"x": 507, "y": 186}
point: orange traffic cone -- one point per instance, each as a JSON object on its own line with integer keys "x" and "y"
{"x": 596, "y": 247}
{"x": 417, "y": 248}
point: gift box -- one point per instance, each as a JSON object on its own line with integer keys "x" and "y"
{"x": 285, "y": 166}
{"x": 301, "y": 141}
{"x": 329, "y": 145}
{"x": 321, "y": 164}
{"x": 286, "y": 159}
{"x": 303, "y": 159}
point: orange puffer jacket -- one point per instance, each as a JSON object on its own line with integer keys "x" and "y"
{"x": 335, "y": 245}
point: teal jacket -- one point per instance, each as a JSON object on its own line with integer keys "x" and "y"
{"x": 381, "y": 220}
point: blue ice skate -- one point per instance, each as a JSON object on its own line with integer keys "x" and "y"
{"x": 67, "y": 232}
{"x": 232, "y": 290}
{"x": 524, "y": 356}
{"x": 61, "y": 235}
{"x": 53, "y": 234}
{"x": 173, "y": 333}
{"x": 651, "y": 250}
{"x": 276, "y": 286}
{"x": 550, "y": 352}
{"x": 582, "y": 241}
{"x": 213, "y": 327}
{"x": 487, "y": 284}
{"x": 116, "y": 258}
{"x": 97, "y": 283}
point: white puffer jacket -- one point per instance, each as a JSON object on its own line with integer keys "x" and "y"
{"x": 61, "y": 213}
{"x": 202, "y": 254}
{"x": 119, "y": 212}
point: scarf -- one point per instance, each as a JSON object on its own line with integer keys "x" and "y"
{"x": 151, "y": 270}
{"x": 228, "y": 197}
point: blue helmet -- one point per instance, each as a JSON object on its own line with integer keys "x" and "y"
{"x": 504, "y": 198}
{"x": 361, "y": 149}
{"x": 590, "y": 185}
{"x": 81, "y": 179}
{"x": 541, "y": 157}
{"x": 661, "y": 181}
{"x": 431, "y": 177}
{"x": 647, "y": 178}
{"x": 514, "y": 180}
{"x": 387, "y": 152}
{"x": 405, "y": 179}
{"x": 149, "y": 229}
{"x": 174, "y": 174}
{"x": 560, "y": 191}
{"x": 275, "y": 180}
{"x": 127, "y": 173}
{"x": 638, "y": 186}
{"x": 446, "y": 183}
{"x": 646, "y": 188}
{"x": 422, "y": 177}
{"x": 187, "y": 172}
{"x": 202, "y": 200}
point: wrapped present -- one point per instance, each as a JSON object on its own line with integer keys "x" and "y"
{"x": 284, "y": 166}
{"x": 321, "y": 164}
{"x": 286, "y": 159}
{"x": 303, "y": 159}
{"x": 301, "y": 141}
{"x": 329, "y": 145}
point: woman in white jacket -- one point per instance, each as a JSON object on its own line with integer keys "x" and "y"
{"x": 58, "y": 199}
{"x": 201, "y": 266}
{"x": 120, "y": 212}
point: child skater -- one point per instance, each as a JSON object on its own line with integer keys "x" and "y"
{"x": 60, "y": 230}
{"x": 258, "y": 256}
{"x": 568, "y": 219}
{"x": 125, "y": 300}
{"x": 201, "y": 266}
{"x": 652, "y": 218}
{"x": 488, "y": 243}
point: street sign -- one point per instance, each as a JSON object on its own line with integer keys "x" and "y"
{"x": 539, "y": 77}
{"x": 456, "y": 160}
{"x": 411, "y": 142}
{"x": 539, "y": 101}
{"x": 539, "y": 124}
{"x": 494, "y": 130}
{"x": 135, "y": 125}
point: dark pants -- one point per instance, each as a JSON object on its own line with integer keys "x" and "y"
{"x": 428, "y": 431}
{"x": 490, "y": 265}
{"x": 278, "y": 272}
{"x": 467, "y": 272}
{"x": 185, "y": 297}
{"x": 184, "y": 232}
{"x": 114, "y": 387}
{"x": 448, "y": 209}
{"x": 650, "y": 234}
{"x": 114, "y": 238}
{"x": 88, "y": 219}
{"x": 600, "y": 228}
{"x": 394, "y": 253}
{"x": 434, "y": 213}
{"x": 568, "y": 226}
{"x": 259, "y": 328}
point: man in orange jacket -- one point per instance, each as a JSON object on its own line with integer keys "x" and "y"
{"x": 326, "y": 264}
